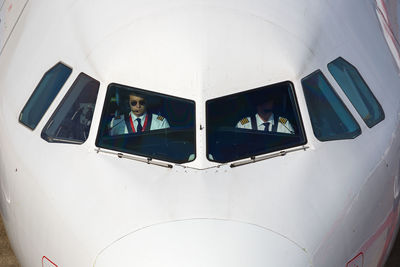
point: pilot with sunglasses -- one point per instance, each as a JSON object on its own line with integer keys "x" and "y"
{"x": 138, "y": 120}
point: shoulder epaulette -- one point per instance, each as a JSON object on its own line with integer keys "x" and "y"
{"x": 282, "y": 120}
{"x": 244, "y": 121}
{"x": 159, "y": 117}
{"x": 117, "y": 115}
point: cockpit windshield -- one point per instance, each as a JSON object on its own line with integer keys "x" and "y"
{"x": 148, "y": 124}
{"x": 254, "y": 122}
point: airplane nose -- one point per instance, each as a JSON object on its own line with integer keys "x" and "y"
{"x": 203, "y": 243}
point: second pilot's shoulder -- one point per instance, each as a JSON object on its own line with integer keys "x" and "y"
{"x": 117, "y": 119}
{"x": 283, "y": 120}
{"x": 244, "y": 121}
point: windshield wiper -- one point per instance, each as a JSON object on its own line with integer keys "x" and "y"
{"x": 137, "y": 158}
{"x": 269, "y": 156}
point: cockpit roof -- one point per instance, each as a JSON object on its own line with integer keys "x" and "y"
{"x": 211, "y": 48}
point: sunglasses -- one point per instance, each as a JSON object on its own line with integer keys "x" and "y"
{"x": 141, "y": 102}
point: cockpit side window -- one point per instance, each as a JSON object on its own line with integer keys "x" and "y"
{"x": 44, "y": 94}
{"x": 330, "y": 118}
{"x": 148, "y": 124}
{"x": 356, "y": 89}
{"x": 253, "y": 122}
{"x": 71, "y": 122}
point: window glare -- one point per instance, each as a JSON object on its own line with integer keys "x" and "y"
{"x": 355, "y": 88}
{"x": 330, "y": 118}
{"x": 44, "y": 94}
{"x": 71, "y": 121}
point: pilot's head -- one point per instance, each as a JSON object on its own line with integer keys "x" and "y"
{"x": 137, "y": 103}
{"x": 265, "y": 108}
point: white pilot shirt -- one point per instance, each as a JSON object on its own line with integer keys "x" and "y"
{"x": 118, "y": 126}
{"x": 284, "y": 125}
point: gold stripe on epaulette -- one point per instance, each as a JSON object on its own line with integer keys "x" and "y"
{"x": 282, "y": 120}
{"x": 161, "y": 118}
{"x": 244, "y": 121}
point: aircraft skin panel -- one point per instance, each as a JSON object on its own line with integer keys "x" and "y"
{"x": 147, "y": 242}
{"x": 388, "y": 12}
{"x": 10, "y": 11}
{"x": 189, "y": 197}
{"x": 68, "y": 205}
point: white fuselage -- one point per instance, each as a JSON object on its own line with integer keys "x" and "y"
{"x": 323, "y": 205}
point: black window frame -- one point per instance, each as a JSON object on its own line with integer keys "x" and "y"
{"x": 296, "y": 110}
{"x": 100, "y": 131}
{"x": 373, "y": 97}
{"x": 35, "y": 92}
{"x": 60, "y": 105}
{"x": 356, "y": 133}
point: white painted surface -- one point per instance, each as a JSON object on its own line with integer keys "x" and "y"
{"x": 203, "y": 243}
{"x": 10, "y": 10}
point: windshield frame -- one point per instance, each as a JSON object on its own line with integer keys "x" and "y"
{"x": 301, "y": 133}
{"x": 111, "y": 88}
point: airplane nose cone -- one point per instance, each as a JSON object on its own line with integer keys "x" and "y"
{"x": 205, "y": 243}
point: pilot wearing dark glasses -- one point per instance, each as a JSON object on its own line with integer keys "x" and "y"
{"x": 138, "y": 119}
